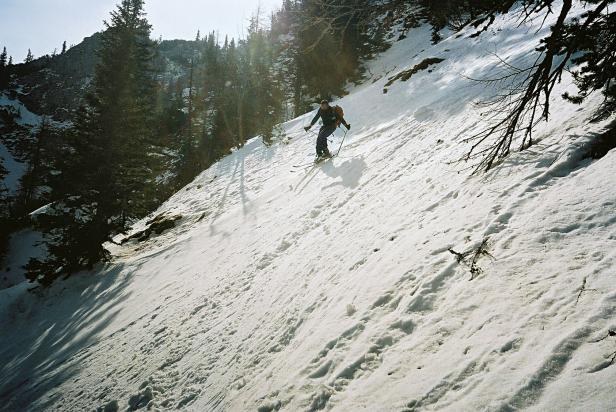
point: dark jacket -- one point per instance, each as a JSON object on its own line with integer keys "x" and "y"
{"x": 329, "y": 117}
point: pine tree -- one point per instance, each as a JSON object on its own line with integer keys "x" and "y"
{"x": 4, "y": 69}
{"x": 332, "y": 37}
{"x": 266, "y": 96}
{"x": 124, "y": 98}
{"x": 188, "y": 165}
{"x": 593, "y": 39}
{"x": 5, "y": 213}
{"x": 110, "y": 177}
{"x": 63, "y": 47}
{"x": 29, "y": 57}
{"x": 44, "y": 154}
{"x": 3, "y": 58}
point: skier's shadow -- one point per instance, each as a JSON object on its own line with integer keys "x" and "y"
{"x": 350, "y": 171}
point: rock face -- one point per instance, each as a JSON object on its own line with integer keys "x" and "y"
{"x": 156, "y": 225}
{"x": 55, "y": 85}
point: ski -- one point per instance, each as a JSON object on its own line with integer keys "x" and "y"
{"x": 315, "y": 162}
{"x": 323, "y": 159}
{"x": 312, "y": 165}
{"x": 310, "y": 172}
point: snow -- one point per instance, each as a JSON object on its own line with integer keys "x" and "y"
{"x": 26, "y": 117}
{"x": 15, "y": 168}
{"x": 334, "y": 288}
{"x": 47, "y": 209}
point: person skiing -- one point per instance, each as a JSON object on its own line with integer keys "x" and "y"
{"x": 331, "y": 117}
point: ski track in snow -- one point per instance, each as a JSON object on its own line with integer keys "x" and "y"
{"x": 336, "y": 290}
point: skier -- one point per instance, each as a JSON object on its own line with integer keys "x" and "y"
{"x": 332, "y": 117}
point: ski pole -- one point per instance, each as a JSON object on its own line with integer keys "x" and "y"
{"x": 341, "y": 143}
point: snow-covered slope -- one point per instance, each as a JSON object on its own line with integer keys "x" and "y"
{"x": 15, "y": 168}
{"x": 287, "y": 289}
{"x": 24, "y": 116}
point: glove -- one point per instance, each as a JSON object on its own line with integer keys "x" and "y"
{"x": 307, "y": 128}
{"x": 348, "y": 126}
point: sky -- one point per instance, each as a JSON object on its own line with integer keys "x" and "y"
{"x": 42, "y": 25}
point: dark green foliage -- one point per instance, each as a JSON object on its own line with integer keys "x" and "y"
{"x": 330, "y": 39}
{"x": 4, "y": 70}
{"x": 108, "y": 175}
{"x": 594, "y": 43}
{"x": 29, "y": 57}
{"x": 5, "y": 209}
{"x": 45, "y": 150}
{"x": 123, "y": 103}
{"x": 237, "y": 90}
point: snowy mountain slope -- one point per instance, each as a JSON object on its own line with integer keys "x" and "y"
{"x": 22, "y": 244}
{"x": 287, "y": 289}
{"x": 14, "y": 167}
{"x": 24, "y": 116}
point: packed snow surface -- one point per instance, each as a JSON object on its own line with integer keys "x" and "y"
{"x": 296, "y": 289}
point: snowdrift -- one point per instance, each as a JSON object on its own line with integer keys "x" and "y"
{"x": 387, "y": 279}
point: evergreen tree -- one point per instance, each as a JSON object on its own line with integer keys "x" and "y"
{"x": 63, "y": 47}
{"x": 266, "y": 96}
{"x": 44, "y": 154}
{"x": 29, "y": 57}
{"x": 326, "y": 42}
{"x": 4, "y": 191}
{"x": 124, "y": 97}
{"x": 5, "y": 213}
{"x": 593, "y": 39}
{"x": 4, "y": 69}
{"x": 3, "y": 58}
{"x": 110, "y": 178}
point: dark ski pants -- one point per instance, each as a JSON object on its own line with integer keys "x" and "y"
{"x": 324, "y": 133}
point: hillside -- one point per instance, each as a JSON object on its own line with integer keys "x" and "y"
{"x": 335, "y": 287}
{"x": 54, "y": 85}
{"x": 49, "y": 90}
